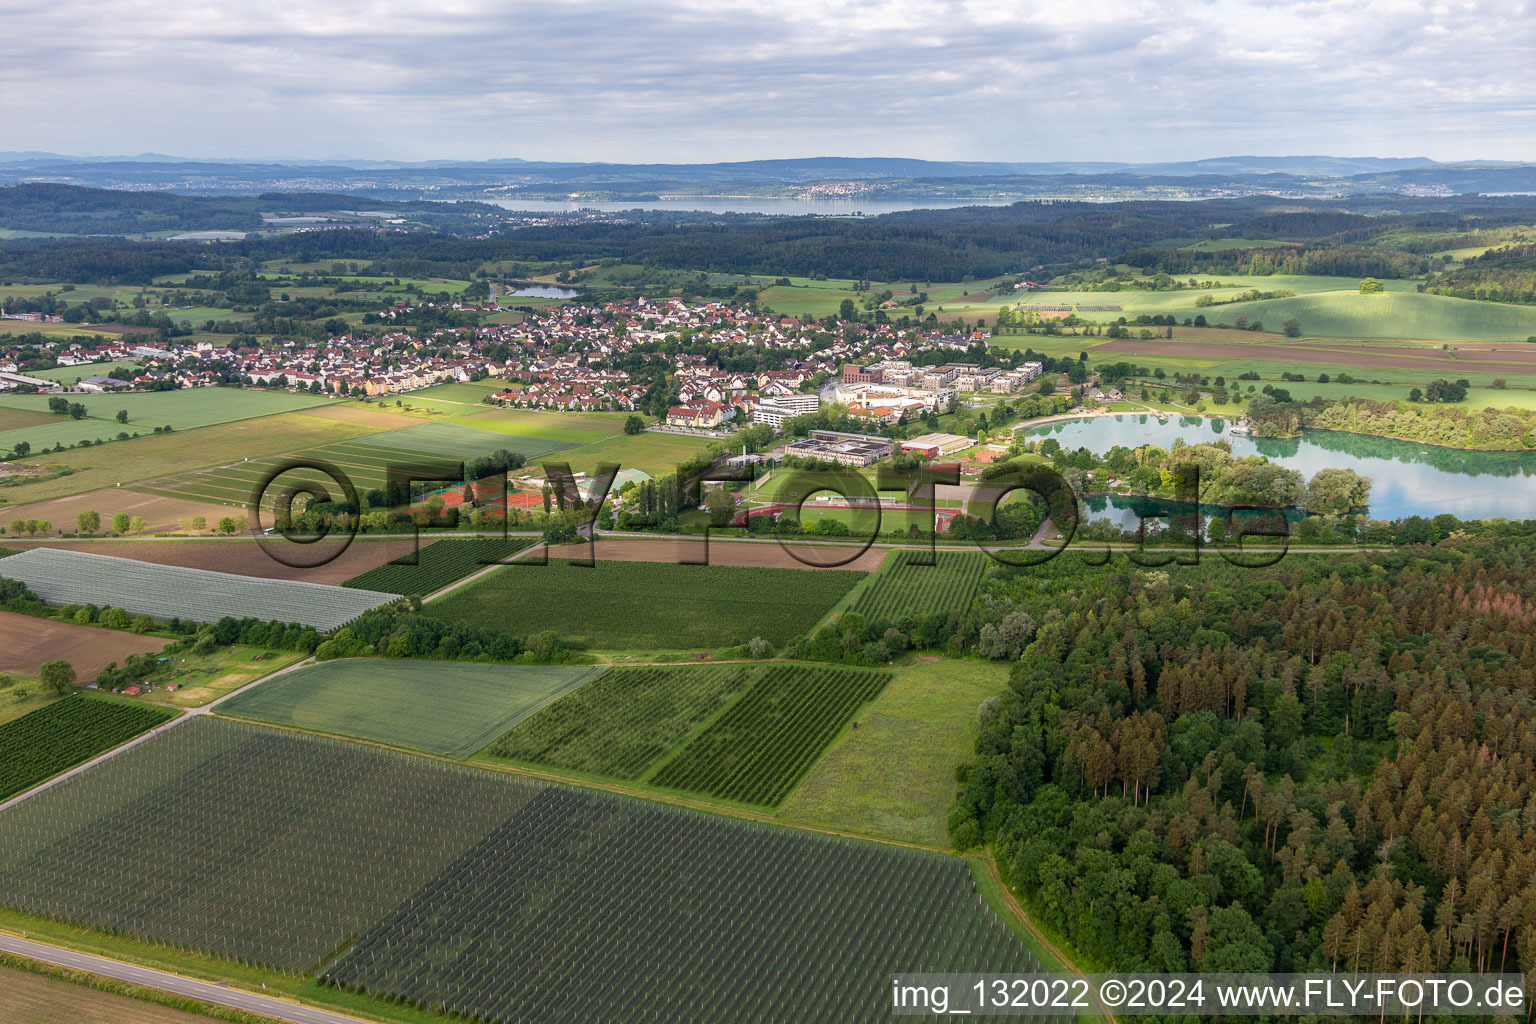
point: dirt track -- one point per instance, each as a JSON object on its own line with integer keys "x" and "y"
{"x": 244, "y": 557}
{"x": 721, "y": 552}
{"x": 27, "y": 642}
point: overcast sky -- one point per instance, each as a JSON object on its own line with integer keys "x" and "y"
{"x": 702, "y": 80}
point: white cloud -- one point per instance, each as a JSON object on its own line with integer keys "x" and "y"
{"x": 683, "y": 80}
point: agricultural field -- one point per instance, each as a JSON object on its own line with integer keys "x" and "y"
{"x": 904, "y": 587}
{"x": 38, "y": 746}
{"x": 667, "y": 898}
{"x": 460, "y": 443}
{"x": 276, "y": 846}
{"x": 437, "y": 565}
{"x": 245, "y": 556}
{"x": 29, "y": 998}
{"x": 647, "y": 605}
{"x": 26, "y": 642}
{"x": 182, "y": 410}
{"x": 15, "y": 419}
{"x": 573, "y": 428}
{"x": 1391, "y": 314}
{"x": 894, "y": 776}
{"x": 765, "y": 742}
{"x": 1309, "y": 356}
{"x": 366, "y": 462}
{"x": 449, "y": 708}
{"x": 467, "y": 392}
{"x": 72, "y": 577}
{"x": 128, "y": 462}
{"x": 721, "y": 552}
{"x": 160, "y": 514}
{"x": 288, "y": 844}
{"x": 652, "y": 452}
{"x": 623, "y": 723}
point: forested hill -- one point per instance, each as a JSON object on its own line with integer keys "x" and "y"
{"x": 1328, "y": 764}
{"x": 72, "y": 210}
{"x": 1043, "y": 238}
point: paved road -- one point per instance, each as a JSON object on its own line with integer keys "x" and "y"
{"x": 205, "y": 991}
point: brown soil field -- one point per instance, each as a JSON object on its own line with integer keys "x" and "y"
{"x": 27, "y": 642}
{"x": 161, "y": 515}
{"x": 1334, "y": 355}
{"x": 27, "y": 998}
{"x": 721, "y": 552}
{"x": 362, "y": 415}
{"x": 245, "y": 557}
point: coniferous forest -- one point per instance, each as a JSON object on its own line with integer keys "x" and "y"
{"x": 1325, "y": 764}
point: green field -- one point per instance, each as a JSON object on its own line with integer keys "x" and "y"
{"x": 449, "y": 708}
{"x": 38, "y": 746}
{"x": 806, "y": 926}
{"x": 651, "y": 452}
{"x": 437, "y": 565}
{"x": 903, "y": 587}
{"x": 767, "y": 740}
{"x": 289, "y": 846}
{"x": 366, "y": 462}
{"x": 1348, "y": 314}
{"x": 894, "y": 776}
{"x": 647, "y": 605}
{"x": 461, "y": 443}
{"x": 71, "y": 374}
{"x": 283, "y": 844}
{"x": 575, "y": 427}
{"x": 181, "y": 410}
{"x": 130, "y": 462}
{"x": 622, "y": 724}
{"x": 468, "y": 392}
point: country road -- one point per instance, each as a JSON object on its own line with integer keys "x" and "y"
{"x": 278, "y": 1009}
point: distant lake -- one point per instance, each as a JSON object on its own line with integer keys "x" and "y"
{"x": 1406, "y": 478}
{"x": 727, "y": 204}
{"x": 545, "y": 291}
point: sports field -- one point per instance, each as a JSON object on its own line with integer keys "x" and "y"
{"x": 647, "y": 605}
{"x": 448, "y": 708}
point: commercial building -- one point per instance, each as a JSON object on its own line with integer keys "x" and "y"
{"x": 933, "y": 445}
{"x": 775, "y": 411}
{"x": 844, "y": 449}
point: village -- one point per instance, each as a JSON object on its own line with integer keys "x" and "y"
{"x": 587, "y": 358}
